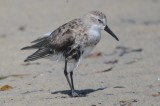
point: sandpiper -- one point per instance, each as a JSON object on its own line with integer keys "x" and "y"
{"x": 71, "y": 42}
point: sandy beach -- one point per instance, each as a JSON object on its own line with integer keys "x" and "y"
{"x": 124, "y": 73}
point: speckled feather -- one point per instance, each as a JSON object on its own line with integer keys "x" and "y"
{"x": 71, "y": 42}
{"x": 67, "y": 37}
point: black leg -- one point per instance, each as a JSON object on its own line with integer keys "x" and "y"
{"x": 70, "y": 81}
{"x": 71, "y": 75}
{"x": 66, "y": 74}
{"x": 71, "y": 84}
{"x": 74, "y": 94}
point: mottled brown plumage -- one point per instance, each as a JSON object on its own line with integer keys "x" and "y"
{"x": 71, "y": 42}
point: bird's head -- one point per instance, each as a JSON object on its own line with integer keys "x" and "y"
{"x": 97, "y": 20}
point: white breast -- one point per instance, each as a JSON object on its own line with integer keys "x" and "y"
{"x": 94, "y": 35}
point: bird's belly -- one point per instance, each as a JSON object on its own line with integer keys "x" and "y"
{"x": 87, "y": 50}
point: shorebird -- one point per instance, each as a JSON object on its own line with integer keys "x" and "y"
{"x": 71, "y": 42}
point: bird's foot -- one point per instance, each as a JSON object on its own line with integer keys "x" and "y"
{"x": 75, "y": 94}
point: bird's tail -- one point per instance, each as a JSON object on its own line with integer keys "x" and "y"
{"x": 28, "y": 47}
{"x": 41, "y": 53}
{"x": 38, "y": 43}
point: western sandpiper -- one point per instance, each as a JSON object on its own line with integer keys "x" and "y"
{"x": 71, "y": 42}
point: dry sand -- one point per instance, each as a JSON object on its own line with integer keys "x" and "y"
{"x": 127, "y": 73}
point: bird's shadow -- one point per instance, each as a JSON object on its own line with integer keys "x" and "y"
{"x": 84, "y": 92}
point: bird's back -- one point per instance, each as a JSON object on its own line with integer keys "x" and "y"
{"x": 57, "y": 42}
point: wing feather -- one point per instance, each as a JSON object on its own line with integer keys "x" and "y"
{"x": 58, "y": 41}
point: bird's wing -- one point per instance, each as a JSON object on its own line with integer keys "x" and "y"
{"x": 44, "y": 36}
{"x": 58, "y": 41}
{"x": 47, "y": 34}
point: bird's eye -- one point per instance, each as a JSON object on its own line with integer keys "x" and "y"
{"x": 100, "y": 21}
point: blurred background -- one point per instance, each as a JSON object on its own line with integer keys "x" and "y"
{"x": 132, "y": 63}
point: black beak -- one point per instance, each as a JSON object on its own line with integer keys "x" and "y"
{"x": 110, "y": 32}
